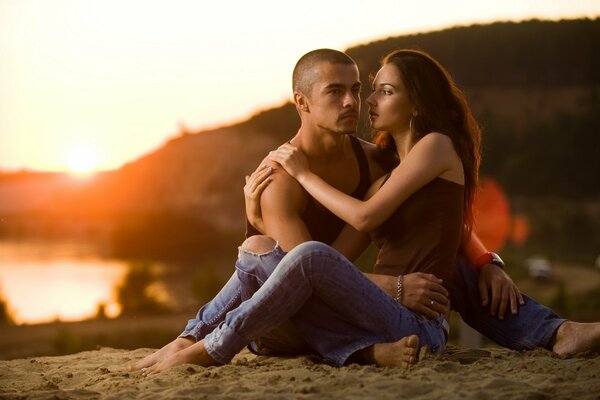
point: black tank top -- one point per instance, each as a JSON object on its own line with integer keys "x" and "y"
{"x": 321, "y": 223}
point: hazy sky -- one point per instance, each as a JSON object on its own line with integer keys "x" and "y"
{"x": 94, "y": 84}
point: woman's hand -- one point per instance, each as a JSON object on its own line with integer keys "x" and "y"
{"x": 255, "y": 184}
{"x": 291, "y": 159}
{"x": 425, "y": 294}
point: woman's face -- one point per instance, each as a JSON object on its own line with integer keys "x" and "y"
{"x": 390, "y": 108}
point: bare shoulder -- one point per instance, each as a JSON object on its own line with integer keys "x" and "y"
{"x": 284, "y": 192}
{"x": 369, "y": 148}
{"x": 437, "y": 140}
{"x": 437, "y": 144}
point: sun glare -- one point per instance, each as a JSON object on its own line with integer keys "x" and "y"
{"x": 82, "y": 160}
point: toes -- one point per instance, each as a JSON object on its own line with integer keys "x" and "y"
{"x": 150, "y": 371}
{"x": 413, "y": 342}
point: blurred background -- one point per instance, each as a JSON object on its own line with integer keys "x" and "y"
{"x": 126, "y": 130}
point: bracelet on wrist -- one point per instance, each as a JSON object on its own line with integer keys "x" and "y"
{"x": 399, "y": 289}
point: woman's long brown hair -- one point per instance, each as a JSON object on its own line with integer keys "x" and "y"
{"x": 440, "y": 107}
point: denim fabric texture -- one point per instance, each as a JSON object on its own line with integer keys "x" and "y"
{"x": 318, "y": 302}
{"x": 533, "y": 326}
{"x": 335, "y": 309}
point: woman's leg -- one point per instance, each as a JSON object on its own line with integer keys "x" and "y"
{"x": 533, "y": 326}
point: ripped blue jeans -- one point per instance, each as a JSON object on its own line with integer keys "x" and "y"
{"x": 333, "y": 308}
{"x": 251, "y": 272}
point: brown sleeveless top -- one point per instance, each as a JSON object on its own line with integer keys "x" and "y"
{"x": 424, "y": 233}
{"x": 321, "y": 223}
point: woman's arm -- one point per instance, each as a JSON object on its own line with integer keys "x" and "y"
{"x": 430, "y": 157}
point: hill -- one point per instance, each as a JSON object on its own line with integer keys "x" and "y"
{"x": 534, "y": 86}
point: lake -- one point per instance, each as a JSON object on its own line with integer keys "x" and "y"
{"x": 47, "y": 281}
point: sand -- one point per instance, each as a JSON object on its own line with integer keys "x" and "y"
{"x": 458, "y": 373}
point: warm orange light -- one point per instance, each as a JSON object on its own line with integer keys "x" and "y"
{"x": 82, "y": 159}
{"x": 493, "y": 215}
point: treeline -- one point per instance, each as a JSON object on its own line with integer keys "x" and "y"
{"x": 525, "y": 54}
{"x": 557, "y": 156}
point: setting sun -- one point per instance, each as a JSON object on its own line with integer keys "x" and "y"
{"x": 82, "y": 159}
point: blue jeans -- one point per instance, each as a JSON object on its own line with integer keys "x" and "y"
{"x": 532, "y": 327}
{"x": 333, "y": 307}
{"x": 252, "y": 270}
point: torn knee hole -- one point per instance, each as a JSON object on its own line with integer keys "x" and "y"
{"x": 259, "y": 244}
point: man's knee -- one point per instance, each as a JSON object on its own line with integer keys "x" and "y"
{"x": 258, "y": 244}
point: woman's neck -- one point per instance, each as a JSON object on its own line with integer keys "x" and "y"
{"x": 403, "y": 141}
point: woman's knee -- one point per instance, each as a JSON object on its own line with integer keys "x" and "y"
{"x": 258, "y": 244}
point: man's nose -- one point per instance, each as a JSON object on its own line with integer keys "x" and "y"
{"x": 350, "y": 100}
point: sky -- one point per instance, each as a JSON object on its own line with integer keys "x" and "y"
{"x": 90, "y": 85}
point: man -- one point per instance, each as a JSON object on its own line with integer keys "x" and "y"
{"x": 324, "y": 98}
{"x": 327, "y": 96}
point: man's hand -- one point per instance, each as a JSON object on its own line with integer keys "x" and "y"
{"x": 495, "y": 282}
{"x": 425, "y": 294}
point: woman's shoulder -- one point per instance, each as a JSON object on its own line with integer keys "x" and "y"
{"x": 434, "y": 144}
{"x": 436, "y": 139}
{"x": 439, "y": 147}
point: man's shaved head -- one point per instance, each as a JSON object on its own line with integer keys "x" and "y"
{"x": 305, "y": 74}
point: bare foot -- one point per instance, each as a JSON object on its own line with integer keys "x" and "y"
{"x": 402, "y": 354}
{"x": 194, "y": 354}
{"x": 575, "y": 337}
{"x": 159, "y": 355}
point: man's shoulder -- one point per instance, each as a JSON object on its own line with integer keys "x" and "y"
{"x": 370, "y": 149}
{"x": 374, "y": 157}
{"x": 284, "y": 191}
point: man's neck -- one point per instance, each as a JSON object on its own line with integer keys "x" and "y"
{"x": 319, "y": 145}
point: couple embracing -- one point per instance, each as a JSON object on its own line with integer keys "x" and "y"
{"x": 318, "y": 201}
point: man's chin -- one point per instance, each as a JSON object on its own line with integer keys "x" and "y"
{"x": 347, "y": 130}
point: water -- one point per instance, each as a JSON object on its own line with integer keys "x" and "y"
{"x": 47, "y": 281}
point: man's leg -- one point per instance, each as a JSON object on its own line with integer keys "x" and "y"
{"x": 240, "y": 286}
{"x": 257, "y": 259}
{"x": 534, "y": 325}
{"x": 314, "y": 275}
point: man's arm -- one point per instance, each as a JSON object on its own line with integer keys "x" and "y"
{"x": 281, "y": 203}
{"x": 496, "y": 288}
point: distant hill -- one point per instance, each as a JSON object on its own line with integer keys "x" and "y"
{"x": 534, "y": 86}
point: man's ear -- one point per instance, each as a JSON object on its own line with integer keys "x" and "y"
{"x": 301, "y": 101}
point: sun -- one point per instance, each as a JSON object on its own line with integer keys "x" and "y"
{"x": 82, "y": 159}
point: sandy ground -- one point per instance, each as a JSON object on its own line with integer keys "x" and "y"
{"x": 458, "y": 373}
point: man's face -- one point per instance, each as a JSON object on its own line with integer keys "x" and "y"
{"x": 334, "y": 101}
